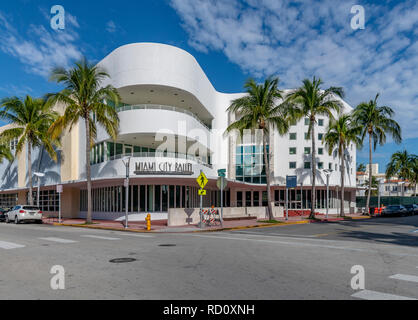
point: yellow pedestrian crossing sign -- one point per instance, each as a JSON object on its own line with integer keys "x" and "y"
{"x": 202, "y": 180}
{"x": 202, "y": 192}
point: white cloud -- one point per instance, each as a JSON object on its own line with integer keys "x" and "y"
{"x": 111, "y": 27}
{"x": 299, "y": 39}
{"x": 41, "y": 49}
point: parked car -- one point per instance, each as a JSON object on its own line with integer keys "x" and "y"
{"x": 24, "y": 213}
{"x": 3, "y": 213}
{"x": 411, "y": 209}
{"x": 394, "y": 210}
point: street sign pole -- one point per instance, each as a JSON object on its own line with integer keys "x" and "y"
{"x": 222, "y": 201}
{"x": 59, "y": 190}
{"x": 287, "y": 203}
{"x": 201, "y": 206}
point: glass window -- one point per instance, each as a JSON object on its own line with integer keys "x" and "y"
{"x": 292, "y": 136}
{"x": 264, "y": 199}
{"x": 119, "y": 149}
{"x": 307, "y": 136}
{"x": 157, "y": 203}
{"x": 321, "y": 122}
{"x": 307, "y": 150}
{"x": 321, "y": 151}
{"x": 320, "y": 165}
{"x": 292, "y": 165}
{"x": 239, "y": 159}
{"x": 307, "y": 121}
{"x": 292, "y": 150}
{"x": 307, "y": 165}
{"x": 239, "y": 199}
{"x": 320, "y": 136}
{"x": 110, "y": 150}
{"x": 330, "y": 166}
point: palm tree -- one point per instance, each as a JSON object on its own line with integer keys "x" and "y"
{"x": 375, "y": 187}
{"x": 402, "y": 165}
{"x": 376, "y": 122}
{"x": 259, "y": 110}
{"x": 340, "y": 134}
{"x": 31, "y": 118}
{"x": 361, "y": 167}
{"x": 84, "y": 98}
{"x": 5, "y": 153}
{"x": 310, "y": 101}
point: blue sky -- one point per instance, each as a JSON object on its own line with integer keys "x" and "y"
{"x": 232, "y": 40}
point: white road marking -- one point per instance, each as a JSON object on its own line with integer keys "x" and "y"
{"x": 302, "y": 242}
{"x": 374, "y": 295}
{"x": 404, "y": 277}
{"x": 297, "y": 244}
{"x": 59, "y": 240}
{"x": 10, "y": 245}
{"x": 274, "y": 234}
{"x": 99, "y": 237}
{"x": 136, "y": 235}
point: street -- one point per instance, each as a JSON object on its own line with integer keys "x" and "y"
{"x": 304, "y": 262}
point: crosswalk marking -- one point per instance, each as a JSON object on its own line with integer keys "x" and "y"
{"x": 405, "y": 277}
{"x": 374, "y": 295}
{"x": 10, "y": 245}
{"x": 99, "y": 237}
{"x": 59, "y": 240}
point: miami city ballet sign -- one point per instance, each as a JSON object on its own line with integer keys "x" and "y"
{"x": 163, "y": 168}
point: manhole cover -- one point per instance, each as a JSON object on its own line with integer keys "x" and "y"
{"x": 167, "y": 245}
{"x": 122, "y": 260}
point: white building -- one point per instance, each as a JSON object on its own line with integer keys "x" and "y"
{"x": 169, "y": 104}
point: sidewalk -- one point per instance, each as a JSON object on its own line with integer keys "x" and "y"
{"x": 160, "y": 226}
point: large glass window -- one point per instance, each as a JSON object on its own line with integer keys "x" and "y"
{"x": 292, "y": 150}
{"x": 292, "y": 136}
{"x": 251, "y": 167}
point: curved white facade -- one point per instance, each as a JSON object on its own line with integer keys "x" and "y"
{"x": 169, "y": 102}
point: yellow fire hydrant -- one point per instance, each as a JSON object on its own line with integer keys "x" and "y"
{"x": 148, "y": 220}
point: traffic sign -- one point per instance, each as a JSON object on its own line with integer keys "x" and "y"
{"x": 202, "y": 192}
{"x": 219, "y": 183}
{"x": 202, "y": 180}
{"x": 291, "y": 182}
{"x": 222, "y": 173}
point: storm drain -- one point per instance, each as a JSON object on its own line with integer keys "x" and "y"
{"x": 167, "y": 245}
{"x": 122, "y": 260}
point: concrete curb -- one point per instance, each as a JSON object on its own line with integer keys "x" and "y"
{"x": 270, "y": 225}
{"x": 259, "y": 226}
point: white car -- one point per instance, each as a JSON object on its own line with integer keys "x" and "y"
{"x": 24, "y": 213}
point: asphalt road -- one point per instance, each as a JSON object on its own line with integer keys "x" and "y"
{"x": 292, "y": 262}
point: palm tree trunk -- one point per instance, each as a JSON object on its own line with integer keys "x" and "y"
{"x": 342, "y": 213}
{"x": 30, "y": 197}
{"x": 370, "y": 175}
{"x": 267, "y": 161}
{"x": 313, "y": 152}
{"x": 88, "y": 173}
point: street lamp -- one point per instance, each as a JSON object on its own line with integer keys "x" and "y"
{"x": 38, "y": 175}
{"x": 327, "y": 173}
{"x": 126, "y": 161}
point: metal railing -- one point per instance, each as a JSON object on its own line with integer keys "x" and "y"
{"x": 170, "y": 155}
{"x": 161, "y": 107}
